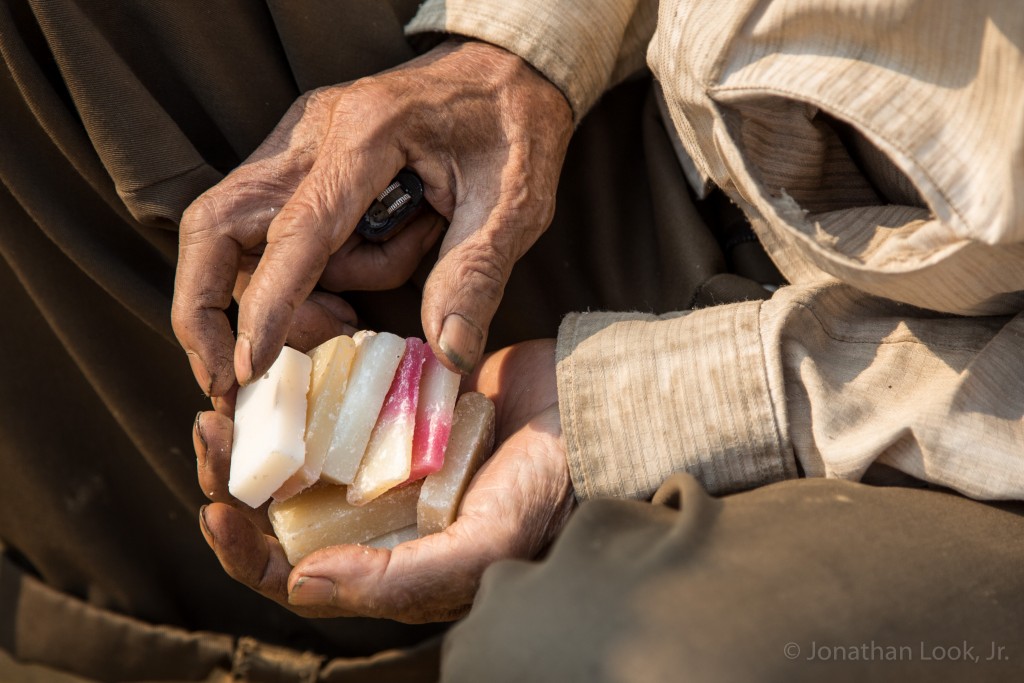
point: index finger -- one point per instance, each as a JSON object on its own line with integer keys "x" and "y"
{"x": 226, "y": 220}
{"x": 207, "y": 267}
{"x": 314, "y": 223}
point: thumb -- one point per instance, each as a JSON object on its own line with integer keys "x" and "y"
{"x": 464, "y": 288}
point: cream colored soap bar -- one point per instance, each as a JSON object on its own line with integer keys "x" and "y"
{"x": 470, "y": 444}
{"x": 321, "y": 516}
{"x": 332, "y": 362}
{"x": 270, "y": 422}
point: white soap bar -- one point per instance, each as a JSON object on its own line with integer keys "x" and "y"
{"x": 377, "y": 359}
{"x": 270, "y": 423}
{"x": 332, "y": 362}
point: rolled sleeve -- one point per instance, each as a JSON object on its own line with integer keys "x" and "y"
{"x": 581, "y": 46}
{"x": 642, "y": 397}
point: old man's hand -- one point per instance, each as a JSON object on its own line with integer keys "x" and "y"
{"x": 485, "y": 132}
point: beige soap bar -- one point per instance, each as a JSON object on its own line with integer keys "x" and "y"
{"x": 332, "y": 362}
{"x": 470, "y": 444}
{"x": 321, "y": 516}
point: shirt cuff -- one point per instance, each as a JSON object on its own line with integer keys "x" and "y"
{"x": 574, "y": 44}
{"x": 642, "y": 397}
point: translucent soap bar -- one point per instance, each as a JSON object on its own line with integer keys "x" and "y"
{"x": 270, "y": 423}
{"x": 393, "y": 538}
{"x": 470, "y": 444}
{"x": 438, "y": 390}
{"x": 321, "y": 516}
{"x": 388, "y": 456}
{"x": 332, "y": 362}
{"x": 377, "y": 359}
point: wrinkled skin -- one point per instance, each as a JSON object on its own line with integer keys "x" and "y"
{"x": 485, "y": 132}
{"x": 514, "y": 506}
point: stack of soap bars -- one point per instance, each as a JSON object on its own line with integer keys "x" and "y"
{"x": 361, "y": 441}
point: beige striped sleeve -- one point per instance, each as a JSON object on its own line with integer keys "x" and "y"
{"x": 878, "y": 141}
{"x": 582, "y": 46}
{"x": 642, "y": 397}
{"x": 821, "y": 375}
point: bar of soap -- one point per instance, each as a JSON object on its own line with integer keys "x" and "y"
{"x": 270, "y": 423}
{"x": 470, "y": 444}
{"x": 388, "y": 456}
{"x": 438, "y": 390}
{"x": 376, "y": 361}
{"x": 394, "y": 538}
{"x": 321, "y": 516}
{"x": 332, "y": 363}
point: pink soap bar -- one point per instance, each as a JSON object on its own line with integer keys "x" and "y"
{"x": 438, "y": 390}
{"x": 388, "y": 456}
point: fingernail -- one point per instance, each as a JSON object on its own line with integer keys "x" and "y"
{"x": 207, "y": 534}
{"x": 199, "y": 429}
{"x": 461, "y": 341}
{"x": 200, "y": 372}
{"x": 312, "y": 590}
{"x": 243, "y": 360}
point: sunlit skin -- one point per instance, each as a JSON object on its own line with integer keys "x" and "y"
{"x": 488, "y": 135}
{"x": 513, "y": 508}
{"x": 485, "y": 132}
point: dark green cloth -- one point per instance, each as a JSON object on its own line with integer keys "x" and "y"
{"x": 804, "y": 580}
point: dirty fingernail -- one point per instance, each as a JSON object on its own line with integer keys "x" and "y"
{"x": 197, "y": 426}
{"x": 461, "y": 341}
{"x": 207, "y": 534}
{"x": 243, "y": 360}
{"x": 312, "y": 590}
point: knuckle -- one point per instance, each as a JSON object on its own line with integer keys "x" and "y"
{"x": 528, "y": 207}
{"x": 483, "y": 271}
{"x": 304, "y": 221}
{"x": 201, "y": 216}
{"x": 267, "y": 579}
{"x": 181, "y": 317}
{"x": 214, "y": 213}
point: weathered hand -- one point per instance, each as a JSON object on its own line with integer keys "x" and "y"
{"x": 515, "y": 505}
{"x": 485, "y": 132}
